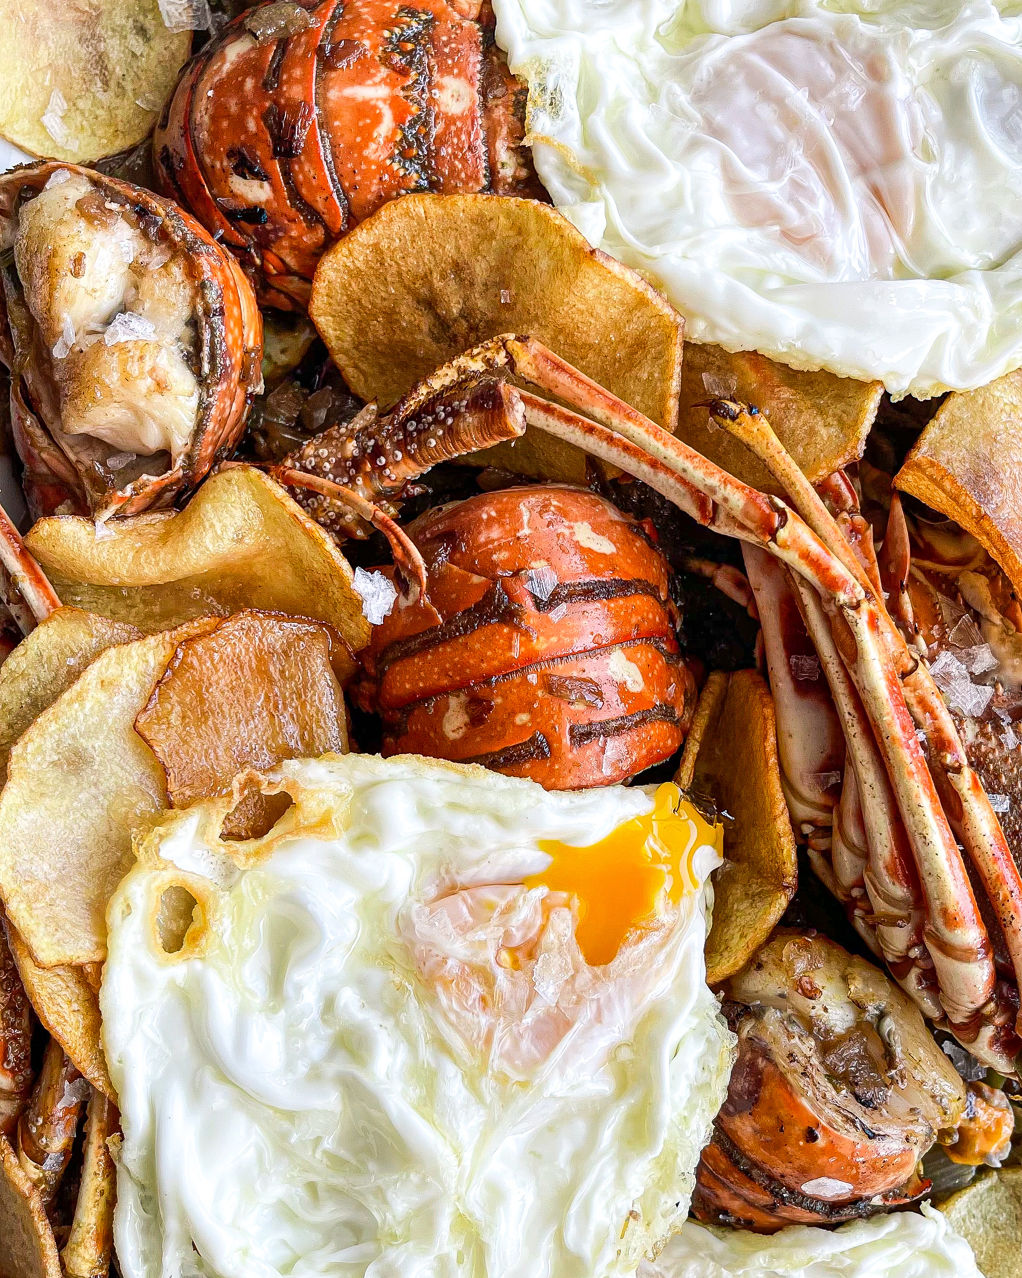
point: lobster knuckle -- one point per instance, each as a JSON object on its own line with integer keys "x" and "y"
{"x": 134, "y": 338}
{"x": 299, "y": 122}
{"x": 555, "y": 655}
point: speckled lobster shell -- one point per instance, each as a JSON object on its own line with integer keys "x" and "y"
{"x": 279, "y": 143}
{"x": 229, "y": 328}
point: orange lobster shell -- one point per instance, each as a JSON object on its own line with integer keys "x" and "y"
{"x": 230, "y": 335}
{"x": 554, "y": 656}
{"x": 301, "y": 120}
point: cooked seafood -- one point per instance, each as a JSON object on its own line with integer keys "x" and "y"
{"x": 133, "y": 338}
{"x": 545, "y": 647}
{"x": 838, "y": 1091}
{"x": 302, "y": 119}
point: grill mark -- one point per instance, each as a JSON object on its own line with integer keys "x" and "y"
{"x": 535, "y": 747}
{"x": 495, "y": 607}
{"x": 581, "y": 734}
{"x": 271, "y": 77}
{"x": 416, "y": 135}
{"x": 397, "y": 718}
{"x": 595, "y": 590}
{"x": 322, "y": 61}
{"x": 782, "y": 1194}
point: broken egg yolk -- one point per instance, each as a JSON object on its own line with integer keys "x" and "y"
{"x": 617, "y": 882}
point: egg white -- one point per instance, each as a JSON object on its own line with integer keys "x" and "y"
{"x": 895, "y": 1245}
{"x": 835, "y": 183}
{"x": 334, "y": 1076}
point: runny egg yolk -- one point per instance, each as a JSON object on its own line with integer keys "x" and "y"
{"x": 617, "y": 882}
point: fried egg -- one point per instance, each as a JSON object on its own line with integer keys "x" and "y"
{"x": 835, "y": 183}
{"x": 438, "y": 1022}
{"x": 895, "y": 1245}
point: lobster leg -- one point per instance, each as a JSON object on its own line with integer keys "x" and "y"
{"x": 89, "y": 1245}
{"x": 37, "y": 597}
{"x": 46, "y": 1129}
{"x": 963, "y": 796}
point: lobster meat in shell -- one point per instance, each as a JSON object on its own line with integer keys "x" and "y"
{"x": 300, "y": 120}
{"x": 915, "y": 777}
{"x": 837, "y": 1092}
{"x": 133, "y": 340}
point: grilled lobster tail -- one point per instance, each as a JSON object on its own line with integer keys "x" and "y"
{"x": 555, "y": 654}
{"x": 301, "y": 120}
{"x": 837, "y": 1092}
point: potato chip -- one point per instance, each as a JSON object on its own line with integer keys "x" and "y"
{"x": 68, "y": 1007}
{"x": 79, "y": 779}
{"x": 85, "y": 79}
{"x": 257, "y": 690}
{"x": 27, "y": 1248}
{"x": 241, "y": 542}
{"x": 428, "y": 276}
{"x": 821, "y": 419}
{"x": 967, "y": 464}
{"x": 45, "y": 663}
{"x": 731, "y": 757}
{"x": 988, "y": 1215}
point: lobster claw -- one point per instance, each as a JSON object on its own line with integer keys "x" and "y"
{"x": 133, "y": 339}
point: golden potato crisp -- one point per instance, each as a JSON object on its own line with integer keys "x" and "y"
{"x": 988, "y": 1215}
{"x": 79, "y": 779}
{"x": 80, "y": 79}
{"x": 428, "y": 276}
{"x": 255, "y": 691}
{"x": 27, "y": 1248}
{"x": 46, "y": 662}
{"x": 821, "y": 419}
{"x": 241, "y": 542}
{"x": 967, "y": 464}
{"x": 731, "y": 757}
{"x": 68, "y": 1007}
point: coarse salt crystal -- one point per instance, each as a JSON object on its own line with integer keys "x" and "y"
{"x": 965, "y": 633}
{"x": 185, "y": 15}
{"x": 117, "y": 461}
{"x": 978, "y": 659}
{"x": 804, "y": 667}
{"x": 540, "y": 583}
{"x": 827, "y": 1187}
{"x": 129, "y": 326}
{"x": 377, "y": 593}
{"x": 57, "y": 178}
{"x": 999, "y": 802}
{"x": 952, "y": 678}
{"x": 53, "y": 119}
{"x": 719, "y": 387}
{"x": 557, "y": 613}
{"x": 62, "y": 346}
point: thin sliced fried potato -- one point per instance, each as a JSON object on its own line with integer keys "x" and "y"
{"x": 821, "y": 419}
{"x": 967, "y": 464}
{"x": 80, "y": 79}
{"x": 68, "y": 1007}
{"x": 428, "y": 276}
{"x": 78, "y": 781}
{"x": 241, "y": 542}
{"x": 48, "y": 661}
{"x": 256, "y": 691}
{"x": 988, "y": 1215}
{"x": 89, "y": 1245}
{"x": 27, "y": 1248}
{"x": 731, "y": 757}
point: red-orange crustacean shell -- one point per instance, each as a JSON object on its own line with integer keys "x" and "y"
{"x": 281, "y": 136}
{"x": 229, "y": 330}
{"x": 555, "y": 657}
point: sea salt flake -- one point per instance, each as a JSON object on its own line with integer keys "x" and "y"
{"x": 62, "y": 346}
{"x": 978, "y": 659}
{"x": 952, "y": 678}
{"x": 557, "y": 613}
{"x": 57, "y": 178}
{"x": 117, "y": 461}
{"x": 53, "y": 119}
{"x": 965, "y": 633}
{"x": 129, "y": 326}
{"x": 827, "y": 1187}
{"x": 719, "y": 387}
{"x": 540, "y": 583}
{"x": 1000, "y": 802}
{"x": 1008, "y": 738}
{"x": 377, "y": 593}
{"x": 185, "y": 15}
{"x": 804, "y": 667}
